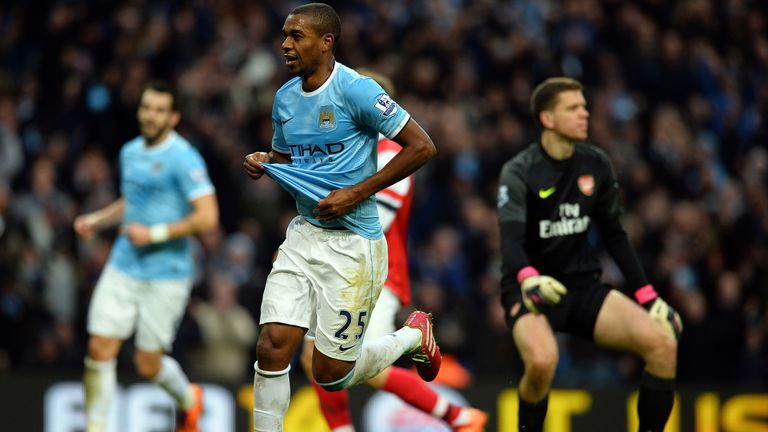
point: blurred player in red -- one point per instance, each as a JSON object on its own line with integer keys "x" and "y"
{"x": 394, "y": 205}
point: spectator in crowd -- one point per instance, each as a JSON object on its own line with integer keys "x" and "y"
{"x": 228, "y": 334}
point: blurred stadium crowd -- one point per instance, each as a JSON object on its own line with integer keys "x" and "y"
{"x": 678, "y": 94}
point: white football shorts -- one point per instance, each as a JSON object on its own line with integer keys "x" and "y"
{"x": 384, "y": 314}
{"x": 326, "y": 281}
{"x": 153, "y": 308}
{"x": 382, "y": 320}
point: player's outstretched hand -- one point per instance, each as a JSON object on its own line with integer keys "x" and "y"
{"x": 665, "y": 315}
{"x": 253, "y": 164}
{"x": 85, "y": 226}
{"x": 541, "y": 293}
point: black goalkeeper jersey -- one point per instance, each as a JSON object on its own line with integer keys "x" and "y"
{"x": 546, "y": 208}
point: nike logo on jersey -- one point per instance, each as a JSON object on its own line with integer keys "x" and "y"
{"x": 342, "y": 348}
{"x": 545, "y": 193}
{"x": 287, "y": 120}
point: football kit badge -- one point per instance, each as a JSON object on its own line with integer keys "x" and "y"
{"x": 586, "y": 184}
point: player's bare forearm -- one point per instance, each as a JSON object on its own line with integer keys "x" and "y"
{"x": 418, "y": 149}
{"x": 87, "y": 225}
{"x": 109, "y": 216}
{"x": 203, "y": 217}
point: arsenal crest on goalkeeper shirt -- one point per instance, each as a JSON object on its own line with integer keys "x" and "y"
{"x": 587, "y": 184}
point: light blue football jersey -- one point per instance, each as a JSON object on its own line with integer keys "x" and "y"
{"x": 158, "y": 184}
{"x": 331, "y": 135}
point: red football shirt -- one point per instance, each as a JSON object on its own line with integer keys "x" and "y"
{"x": 397, "y": 198}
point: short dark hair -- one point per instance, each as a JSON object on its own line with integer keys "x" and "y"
{"x": 324, "y": 19}
{"x": 544, "y": 96}
{"x": 164, "y": 87}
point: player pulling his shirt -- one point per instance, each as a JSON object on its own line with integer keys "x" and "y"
{"x": 331, "y": 267}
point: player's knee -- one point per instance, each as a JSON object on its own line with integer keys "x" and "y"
{"x": 146, "y": 371}
{"x": 271, "y": 353}
{"x": 147, "y": 365}
{"x": 661, "y": 352}
{"x": 265, "y": 348}
{"x": 541, "y": 365}
{"x": 100, "y": 349}
{"x": 98, "y": 353}
{"x": 666, "y": 349}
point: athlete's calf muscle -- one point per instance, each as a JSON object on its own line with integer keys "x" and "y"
{"x": 276, "y": 345}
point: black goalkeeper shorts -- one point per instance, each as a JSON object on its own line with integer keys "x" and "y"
{"x": 577, "y": 311}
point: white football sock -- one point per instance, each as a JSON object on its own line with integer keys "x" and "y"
{"x": 271, "y": 396}
{"x": 462, "y": 418}
{"x": 174, "y": 381}
{"x": 440, "y": 408}
{"x": 100, "y": 382}
{"x": 380, "y": 353}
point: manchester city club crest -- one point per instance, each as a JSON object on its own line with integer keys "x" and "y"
{"x": 327, "y": 120}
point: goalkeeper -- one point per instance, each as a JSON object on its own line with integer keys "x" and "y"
{"x": 549, "y": 195}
